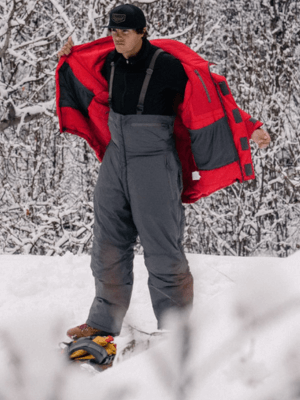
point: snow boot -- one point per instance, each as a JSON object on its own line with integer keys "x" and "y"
{"x": 85, "y": 330}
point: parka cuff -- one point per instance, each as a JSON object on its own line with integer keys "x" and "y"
{"x": 251, "y": 123}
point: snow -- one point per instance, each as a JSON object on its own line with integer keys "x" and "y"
{"x": 177, "y": 34}
{"x": 20, "y": 57}
{"x": 243, "y": 342}
{"x": 37, "y": 109}
{"x": 65, "y": 17}
{"x": 3, "y": 27}
{"x": 3, "y": 91}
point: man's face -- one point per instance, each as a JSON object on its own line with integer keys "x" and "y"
{"x": 127, "y": 41}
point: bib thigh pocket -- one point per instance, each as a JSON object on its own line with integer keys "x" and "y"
{"x": 174, "y": 176}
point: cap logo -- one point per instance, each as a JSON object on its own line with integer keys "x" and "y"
{"x": 118, "y": 18}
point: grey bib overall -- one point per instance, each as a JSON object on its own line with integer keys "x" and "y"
{"x": 138, "y": 192}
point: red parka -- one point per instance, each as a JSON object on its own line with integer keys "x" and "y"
{"x": 211, "y": 132}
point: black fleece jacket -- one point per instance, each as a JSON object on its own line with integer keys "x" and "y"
{"x": 166, "y": 87}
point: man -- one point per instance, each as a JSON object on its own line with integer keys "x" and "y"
{"x": 139, "y": 188}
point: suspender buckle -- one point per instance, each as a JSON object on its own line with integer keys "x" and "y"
{"x": 149, "y": 71}
{"x": 140, "y": 108}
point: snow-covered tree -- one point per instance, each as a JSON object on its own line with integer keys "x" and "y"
{"x": 47, "y": 179}
{"x": 257, "y": 47}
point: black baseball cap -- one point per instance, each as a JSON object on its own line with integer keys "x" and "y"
{"x": 126, "y": 16}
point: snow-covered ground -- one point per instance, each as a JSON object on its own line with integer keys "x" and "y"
{"x": 242, "y": 341}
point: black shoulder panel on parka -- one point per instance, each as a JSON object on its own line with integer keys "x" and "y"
{"x": 72, "y": 92}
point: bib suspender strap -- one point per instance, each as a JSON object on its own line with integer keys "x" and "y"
{"x": 140, "y": 106}
{"x": 111, "y": 80}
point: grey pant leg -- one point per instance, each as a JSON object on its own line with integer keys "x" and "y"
{"x": 155, "y": 195}
{"x": 112, "y": 253}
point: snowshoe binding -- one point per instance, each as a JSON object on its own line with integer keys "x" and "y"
{"x": 98, "y": 351}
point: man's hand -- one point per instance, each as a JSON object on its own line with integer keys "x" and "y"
{"x": 261, "y": 137}
{"x": 66, "y": 49}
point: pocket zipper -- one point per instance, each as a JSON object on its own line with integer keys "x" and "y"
{"x": 203, "y": 84}
{"x": 169, "y": 171}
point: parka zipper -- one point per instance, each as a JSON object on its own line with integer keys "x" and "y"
{"x": 125, "y": 89}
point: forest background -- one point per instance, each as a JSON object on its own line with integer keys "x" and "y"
{"x": 47, "y": 178}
